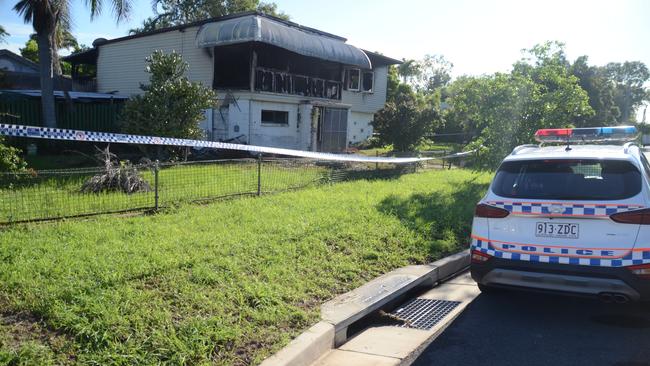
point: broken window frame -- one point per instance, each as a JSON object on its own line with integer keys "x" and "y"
{"x": 366, "y": 73}
{"x": 348, "y": 79}
{"x": 279, "y": 118}
{"x": 308, "y": 86}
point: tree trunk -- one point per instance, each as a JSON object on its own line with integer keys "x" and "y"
{"x": 47, "y": 80}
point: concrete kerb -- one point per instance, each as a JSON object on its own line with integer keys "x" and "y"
{"x": 339, "y": 313}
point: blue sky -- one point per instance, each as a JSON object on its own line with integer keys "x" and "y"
{"x": 477, "y": 36}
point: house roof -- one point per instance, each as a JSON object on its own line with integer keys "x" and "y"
{"x": 265, "y": 29}
{"x": 378, "y": 59}
{"x": 83, "y": 57}
{"x": 295, "y": 29}
{"x": 72, "y": 95}
{"x": 19, "y": 59}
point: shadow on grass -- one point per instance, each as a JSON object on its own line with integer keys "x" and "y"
{"x": 442, "y": 218}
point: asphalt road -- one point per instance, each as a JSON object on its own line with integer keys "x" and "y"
{"x": 516, "y": 328}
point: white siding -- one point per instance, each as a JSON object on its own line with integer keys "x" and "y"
{"x": 286, "y": 136}
{"x": 369, "y": 102}
{"x": 359, "y": 126}
{"x": 121, "y": 65}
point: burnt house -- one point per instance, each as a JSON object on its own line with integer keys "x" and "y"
{"x": 279, "y": 83}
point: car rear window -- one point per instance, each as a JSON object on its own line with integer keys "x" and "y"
{"x": 582, "y": 179}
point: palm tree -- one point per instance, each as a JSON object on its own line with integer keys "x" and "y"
{"x": 46, "y": 16}
{"x": 409, "y": 69}
{"x": 3, "y": 34}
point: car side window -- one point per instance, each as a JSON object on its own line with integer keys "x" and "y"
{"x": 646, "y": 166}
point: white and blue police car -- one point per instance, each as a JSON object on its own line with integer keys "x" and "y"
{"x": 571, "y": 218}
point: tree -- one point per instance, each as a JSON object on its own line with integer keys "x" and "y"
{"x": 392, "y": 83}
{"x": 30, "y": 51}
{"x": 46, "y": 16}
{"x": 3, "y": 34}
{"x": 409, "y": 70}
{"x": 434, "y": 73}
{"x": 505, "y": 110}
{"x": 171, "y": 105}
{"x": 630, "y": 78}
{"x": 601, "y": 90}
{"x": 175, "y": 12}
{"x": 405, "y": 121}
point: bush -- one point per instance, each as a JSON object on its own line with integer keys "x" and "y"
{"x": 171, "y": 106}
{"x": 10, "y": 159}
{"x": 405, "y": 121}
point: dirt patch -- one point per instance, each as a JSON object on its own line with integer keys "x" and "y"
{"x": 19, "y": 329}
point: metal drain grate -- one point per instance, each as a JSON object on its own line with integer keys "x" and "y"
{"x": 423, "y": 313}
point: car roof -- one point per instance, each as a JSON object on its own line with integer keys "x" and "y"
{"x": 532, "y": 152}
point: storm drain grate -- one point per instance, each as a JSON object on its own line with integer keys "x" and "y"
{"x": 423, "y": 313}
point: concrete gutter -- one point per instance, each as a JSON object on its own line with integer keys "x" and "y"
{"x": 339, "y": 313}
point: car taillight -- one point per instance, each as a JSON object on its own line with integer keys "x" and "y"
{"x": 638, "y": 217}
{"x": 479, "y": 257}
{"x": 642, "y": 271}
{"x": 490, "y": 212}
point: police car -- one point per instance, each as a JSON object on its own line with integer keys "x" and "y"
{"x": 572, "y": 217}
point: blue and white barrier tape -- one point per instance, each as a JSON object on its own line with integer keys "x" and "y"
{"x": 118, "y": 138}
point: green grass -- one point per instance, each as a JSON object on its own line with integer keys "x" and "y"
{"x": 52, "y": 195}
{"x": 226, "y": 283}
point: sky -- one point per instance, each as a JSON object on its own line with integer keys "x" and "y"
{"x": 478, "y": 37}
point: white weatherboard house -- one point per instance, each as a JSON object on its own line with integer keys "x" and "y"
{"x": 279, "y": 84}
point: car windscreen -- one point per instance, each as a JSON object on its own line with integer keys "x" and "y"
{"x": 581, "y": 179}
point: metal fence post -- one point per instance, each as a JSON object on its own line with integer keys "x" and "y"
{"x": 156, "y": 169}
{"x": 259, "y": 174}
{"x": 377, "y": 163}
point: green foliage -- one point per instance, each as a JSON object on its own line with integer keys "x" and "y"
{"x": 222, "y": 284}
{"x": 171, "y": 105}
{"x": 392, "y": 83}
{"x": 601, "y": 90}
{"x": 10, "y": 159}
{"x": 406, "y": 120}
{"x": 30, "y": 51}
{"x": 504, "y": 110}
{"x": 3, "y": 34}
{"x": 630, "y": 78}
{"x": 174, "y": 12}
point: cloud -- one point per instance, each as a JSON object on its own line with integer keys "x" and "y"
{"x": 18, "y": 29}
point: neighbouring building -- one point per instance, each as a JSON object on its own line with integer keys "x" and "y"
{"x": 18, "y": 73}
{"x": 279, "y": 83}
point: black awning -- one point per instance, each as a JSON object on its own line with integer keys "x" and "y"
{"x": 257, "y": 28}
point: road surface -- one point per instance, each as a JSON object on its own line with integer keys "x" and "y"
{"x": 517, "y": 328}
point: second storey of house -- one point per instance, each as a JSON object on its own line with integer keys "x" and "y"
{"x": 248, "y": 52}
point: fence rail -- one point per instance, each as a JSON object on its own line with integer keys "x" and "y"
{"x": 54, "y": 194}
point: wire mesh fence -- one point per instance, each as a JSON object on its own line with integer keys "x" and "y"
{"x": 55, "y": 194}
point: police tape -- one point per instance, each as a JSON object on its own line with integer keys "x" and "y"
{"x": 118, "y": 138}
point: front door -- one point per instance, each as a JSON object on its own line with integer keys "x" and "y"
{"x": 333, "y": 131}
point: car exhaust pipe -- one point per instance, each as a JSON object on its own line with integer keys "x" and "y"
{"x": 606, "y": 297}
{"x": 620, "y": 298}
{"x": 609, "y": 298}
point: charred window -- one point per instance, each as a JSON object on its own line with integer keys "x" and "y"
{"x": 353, "y": 79}
{"x": 232, "y": 67}
{"x": 368, "y": 81}
{"x": 275, "y": 117}
{"x": 281, "y": 71}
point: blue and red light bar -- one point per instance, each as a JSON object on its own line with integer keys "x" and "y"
{"x": 621, "y": 133}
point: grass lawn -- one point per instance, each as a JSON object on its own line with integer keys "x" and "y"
{"x": 226, "y": 283}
